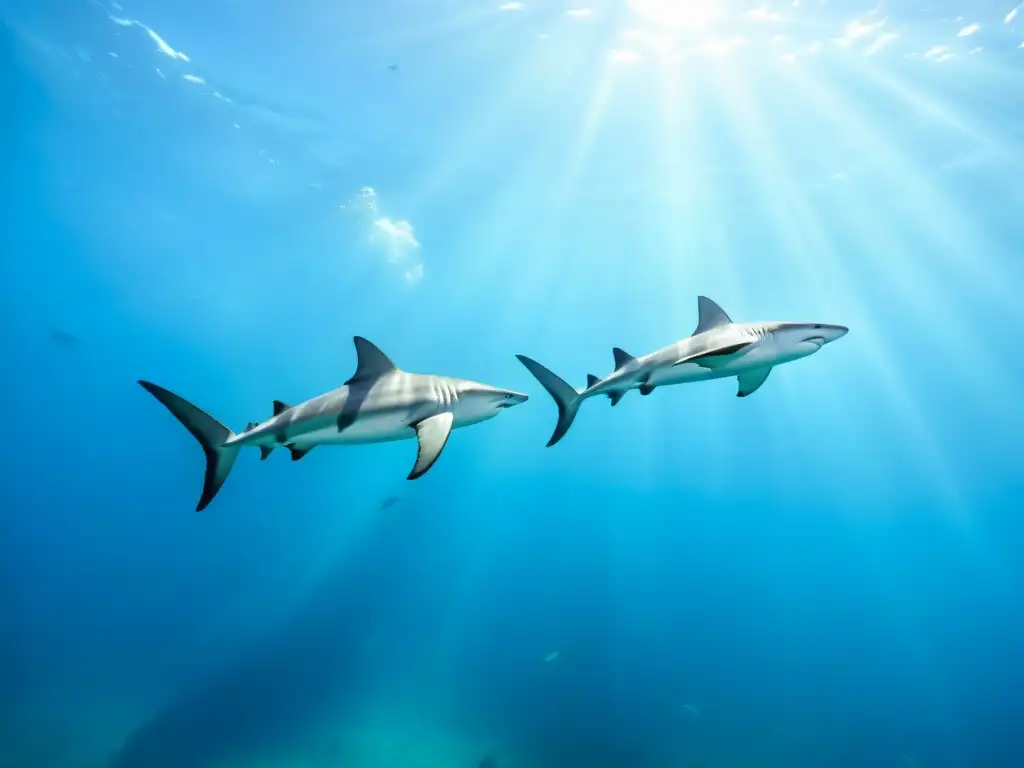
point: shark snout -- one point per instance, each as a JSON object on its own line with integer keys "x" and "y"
{"x": 834, "y": 332}
{"x": 511, "y": 398}
{"x": 823, "y": 334}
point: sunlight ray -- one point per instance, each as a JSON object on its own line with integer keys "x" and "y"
{"x": 791, "y": 215}
{"x": 464, "y": 25}
{"x": 885, "y": 368}
{"x": 588, "y": 128}
{"x": 953, "y": 237}
{"x": 472, "y": 136}
{"x": 938, "y": 111}
{"x": 797, "y": 225}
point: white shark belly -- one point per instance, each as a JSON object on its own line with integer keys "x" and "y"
{"x": 687, "y": 372}
{"x": 362, "y": 432}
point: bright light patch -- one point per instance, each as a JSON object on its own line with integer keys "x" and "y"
{"x": 721, "y": 47}
{"x": 579, "y": 13}
{"x": 857, "y": 29}
{"x": 814, "y": 47}
{"x": 161, "y": 44}
{"x": 763, "y": 14}
{"x": 789, "y": 58}
{"x": 1011, "y": 15}
{"x": 510, "y": 7}
{"x": 979, "y": 49}
{"x": 678, "y": 14}
{"x": 778, "y": 39}
{"x": 944, "y": 57}
{"x": 624, "y": 56}
{"x": 970, "y": 29}
{"x": 880, "y": 42}
{"x": 934, "y": 53}
{"x": 400, "y": 231}
{"x": 194, "y": 79}
{"x": 395, "y": 238}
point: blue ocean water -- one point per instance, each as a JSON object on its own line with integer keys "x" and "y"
{"x": 217, "y": 196}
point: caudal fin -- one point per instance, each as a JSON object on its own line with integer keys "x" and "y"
{"x": 211, "y": 435}
{"x": 566, "y": 397}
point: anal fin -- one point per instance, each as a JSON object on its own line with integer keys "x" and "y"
{"x": 616, "y": 396}
{"x": 265, "y": 450}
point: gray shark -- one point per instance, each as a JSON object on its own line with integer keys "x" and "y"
{"x": 717, "y": 348}
{"x": 380, "y": 403}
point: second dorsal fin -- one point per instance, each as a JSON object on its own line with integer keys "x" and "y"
{"x": 709, "y": 315}
{"x": 280, "y": 407}
{"x": 371, "y": 362}
{"x": 622, "y": 357}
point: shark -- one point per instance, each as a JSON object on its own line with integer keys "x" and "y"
{"x": 717, "y": 348}
{"x": 379, "y": 403}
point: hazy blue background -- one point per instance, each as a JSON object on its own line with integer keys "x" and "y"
{"x": 218, "y": 195}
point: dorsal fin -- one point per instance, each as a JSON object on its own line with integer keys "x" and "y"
{"x": 709, "y": 315}
{"x": 371, "y": 362}
{"x": 280, "y": 407}
{"x": 591, "y": 380}
{"x": 622, "y": 357}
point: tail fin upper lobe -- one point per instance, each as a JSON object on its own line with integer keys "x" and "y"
{"x": 211, "y": 435}
{"x": 566, "y": 397}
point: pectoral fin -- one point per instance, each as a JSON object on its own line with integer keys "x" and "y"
{"x": 432, "y": 434}
{"x": 298, "y": 453}
{"x": 751, "y": 381}
{"x": 646, "y": 389}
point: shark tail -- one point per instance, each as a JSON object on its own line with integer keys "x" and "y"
{"x": 565, "y": 396}
{"x": 211, "y": 434}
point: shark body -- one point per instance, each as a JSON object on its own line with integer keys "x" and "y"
{"x": 718, "y": 348}
{"x": 380, "y": 403}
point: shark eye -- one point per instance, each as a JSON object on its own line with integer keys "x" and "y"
{"x": 817, "y": 327}
{"x": 508, "y": 396}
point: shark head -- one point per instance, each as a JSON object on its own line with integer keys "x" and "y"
{"x": 479, "y": 402}
{"x": 795, "y": 340}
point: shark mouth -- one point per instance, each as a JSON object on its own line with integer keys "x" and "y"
{"x": 819, "y": 340}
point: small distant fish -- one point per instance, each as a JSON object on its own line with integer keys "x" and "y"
{"x": 57, "y": 336}
{"x": 390, "y": 501}
{"x": 551, "y": 657}
{"x": 691, "y": 709}
{"x": 393, "y": 67}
